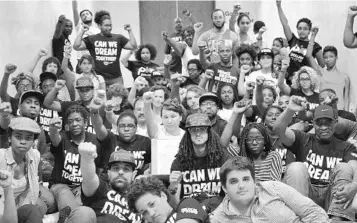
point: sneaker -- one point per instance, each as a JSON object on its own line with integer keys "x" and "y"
{"x": 63, "y": 214}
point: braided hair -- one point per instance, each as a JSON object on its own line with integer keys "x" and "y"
{"x": 244, "y": 136}
{"x": 186, "y": 152}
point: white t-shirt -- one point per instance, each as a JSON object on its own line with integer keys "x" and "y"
{"x": 187, "y": 56}
{"x": 163, "y": 134}
{"x": 142, "y": 131}
{"x": 97, "y": 80}
{"x": 225, "y": 113}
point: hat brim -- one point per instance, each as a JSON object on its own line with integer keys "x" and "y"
{"x": 119, "y": 161}
{"x": 214, "y": 98}
{"x": 78, "y": 87}
{"x": 27, "y": 94}
{"x": 324, "y": 116}
{"x": 46, "y": 76}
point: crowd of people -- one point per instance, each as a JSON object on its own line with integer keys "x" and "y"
{"x": 264, "y": 129}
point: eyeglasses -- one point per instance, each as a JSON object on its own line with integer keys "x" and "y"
{"x": 130, "y": 126}
{"x": 198, "y": 130}
{"x": 304, "y": 79}
{"x": 211, "y": 104}
{"x": 258, "y": 140}
{"x": 191, "y": 70}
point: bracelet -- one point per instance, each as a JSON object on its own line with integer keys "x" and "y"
{"x": 311, "y": 43}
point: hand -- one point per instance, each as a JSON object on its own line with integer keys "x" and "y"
{"x": 209, "y": 74}
{"x": 285, "y": 64}
{"x": 175, "y": 178}
{"x": 60, "y": 84}
{"x": 43, "y": 52}
{"x": 67, "y": 49}
{"x": 241, "y": 106}
{"x": 5, "y": 109}
{"x": 260, "y": 80}
{"x": 352, "y": 10}
{"x": 10, "y": 68}
{"x": 202, "y": 44}
{"x": 198, "y": 27}
{"x": 182, "y": 92}
{"x": 330, "y": 100}
{"x": 61, "y": 18}
{"x": 101, "y": 94}
{"x": 244, "y": 69}
{"x": 85, "y": 27}
{"x": 315, "y": 30}
{"x": 345, "y": 193}
{"x": 250, "y": 86}
{"x": 127, "y": 27}
{"x": 109, "y": 106}
{"x": 164, "y": 35}
{"x": 5, "y": 179}
{"x": 87, "y": 150}
{"x": 95, "y": 104}
{"x": 284, "y": 53}
{"x": 56, "y": 123}
{"x": 278, "y": 2}
{"x": 297, "y": 103}
{"x": 148, "y": 97}
{"x": 237, "y": 7}
{"x": 167, "y": 59}
{"x": 186, "y": 12}
{"x": 262, "y": 30}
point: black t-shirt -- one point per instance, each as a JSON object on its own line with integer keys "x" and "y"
{"x": 202, "y": 178}
{"x": 67, "y": 160}
{"x": 188, "y": 208}
{"x": 219, "y": 125}
{"x": 172, "y": 217}
{"x": 286, "y": 155}
{"x": 110, "y": 206}
{"x": 139, "y": 68}
{"x": 297, "y": 54}
{"x": 66, "y": 104}
{"x": 58, "y": 47}
{"x": 106, "y": 53}
{"x": 45, "y": 117}
{"x": 313, "y": 99}
{"x": 321, "y": 158}
{"x": 176, "y": 64}
{"x": 15, "y": 106}
{"x": 222, "y": 75}
{"x": 140, "y": 147}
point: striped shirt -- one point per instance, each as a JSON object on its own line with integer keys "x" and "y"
{"x": 273, "y": 202}
{"x": 270, "y": 168}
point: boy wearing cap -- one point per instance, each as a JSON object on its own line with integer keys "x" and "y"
{"x": 325, "y": 164}
{"x": 108, "y": 200}
{"x": 85, "y": 88}
{"x": 149, "y": 197}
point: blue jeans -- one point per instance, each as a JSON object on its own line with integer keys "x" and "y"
{"x": 298, "y": 177}
{"x": 29, "y": 213}
{"x": 82, "y": 214}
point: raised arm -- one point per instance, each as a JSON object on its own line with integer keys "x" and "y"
{"x": 198, "y": 32}
{"x": 69, "y": 75}
{"x": 97, "y": 121}
{"x": 310, "y": 49}
{"x": 75, "y": 12}
{"x": 244, "y": 69}
{"x": 349, "y": 39}
{"x": 233, "y": 19}
{"x": 59, "y": 27}
{"x": 90, "y": 183}
{"x": 9, "y": 69}
{"x": 189, "y": 15}
{"x": 203, "y": 60}
{"x": 286, "y": 135}
{"x": 284, "y": 21}
{"x": 131, "y": 45}
{"x": 5, "y": 115}
{"x": 10, "y": 210}
{"x": 346, "y": 93}
{"x": 178, "y": 47}
{"x": 125, "y": 58}
{"x": 259, "y": 94}
{"x": 206, "y": 77}
{"x": 148, "y": 98}
{"x": 55, "y": 128}
{"x": 50, "y": 98}
{"x": 284, "y": 88}
{"x": 32, "y": 64}
{"x": 78, "y": 42}
{"x": 167, "y": 62}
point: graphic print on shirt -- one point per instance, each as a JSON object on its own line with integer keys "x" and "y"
{"x": 117, "y": 205}
{"x": 145, "y": 72}
{"x": 45, "y": 117}
{"x": 139, "y": 157}
{"x": 298, "y": 53}
{"x": 223, "y": 77}
{"x": 106, "y": 51}
{"x": 202, "y": 180}
{"x": 71, "y": 170}
{"x": 212, "y": 45}
{"x": 319, "y": 166}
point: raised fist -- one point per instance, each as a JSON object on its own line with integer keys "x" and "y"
{"x": 297, "y": 103}
{"x": 148, "y": 97}
{"x": 95, "y": 104}
{"x": 67, "y": 48}
{"x": 109, "y": 106}
{"x": 175, "y": 178}
{"x": 250, "y": 86}
{"x": 198, "y": 26}
{"x": 5, "y": 179}
{"x": 352, "y": 10}
{"x": 101, "y": 94}
{"x": 164, "y": 35}
{"x": 241, "y": 106}
{"x": 10, "y": 68}
{"x": 186, "y": 12}
{"x": 202, "y": 44}
{"x": 56, "y": 123}
{"x": 167, "y": 59}
{"x": 237, "y": 7}
{"x": 61, "y": 18}
{"x": 209, "y": 74}
{"x": 262, "y": 30}
{"x": 127, "y": 27}
{"x": 43, "y": 52}
{"x": 60, "y": 84}
{"x": 285, "y": 64}
{"x": 315, "y": 30}
{"x": 244, "y": 69}
{"x": 278, "y": 2}
{"x": 85, "y": 27}
{"x": 87, "y": 150}
{"x": 260, "y": 80}
{"x": 5, "y": 109}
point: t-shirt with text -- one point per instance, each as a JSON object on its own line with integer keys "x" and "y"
{"x": 106, "y": 53}
{"x": 320, "y": 158}
{"x": 139, "y": 68}
{"x": 313, "y": 100}
{"x": 58, "y": 47}
{"x": 110, "y": 206}
{"x": 222, "y": 75}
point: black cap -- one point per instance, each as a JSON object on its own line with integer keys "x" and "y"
{"x": 33, "y": 93}
{"x": 47, "y": 75}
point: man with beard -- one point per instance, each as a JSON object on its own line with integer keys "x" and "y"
{"x": 108, "y": 200}
{"x": 86, "y": 17}
{"x": 326, "y": 166}
{"x": 64, "y": 28}
{"x": 141, "y": 128}
{"x": 85, "y": 88}
{"x": 217, "y": 33}
{"x": 66, "y": 176}
{"x": 209, "y": 105}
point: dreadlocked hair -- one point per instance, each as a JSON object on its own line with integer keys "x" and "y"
{"x": 244, "y": 136}
{"x": 186, "y": 153}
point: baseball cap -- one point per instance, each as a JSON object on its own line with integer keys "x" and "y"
{"x": 47, "y": 75}
{"x": 121, "y": 156}
{"x": 33, "y": 93}
{"x": 191, "y": 209}
{"x": 84, "y": 82}
{"x": 197, "y": 119}
{"x": 265, "y": 51}
{"x": 25, "y": 124}
{"x": 325, "y": 111}
{"x": 212, "y": 96}
{"x": 157, "y": 73}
